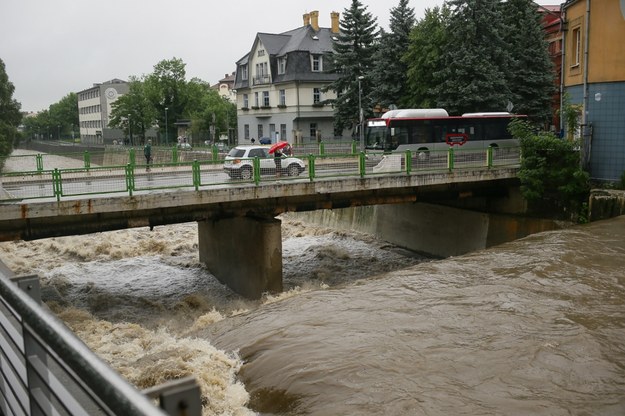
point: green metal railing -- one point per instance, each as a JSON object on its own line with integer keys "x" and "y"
{"x": 131, "y": 177}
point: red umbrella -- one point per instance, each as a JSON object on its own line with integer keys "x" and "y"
{"x": 278, "y": 146}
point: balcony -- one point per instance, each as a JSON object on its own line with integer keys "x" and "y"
{"x": 261, "y": 79}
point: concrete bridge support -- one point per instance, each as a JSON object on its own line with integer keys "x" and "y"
{"x": 243, "y": 253}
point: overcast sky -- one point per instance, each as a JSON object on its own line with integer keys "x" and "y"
{"x": 53, "y": 47}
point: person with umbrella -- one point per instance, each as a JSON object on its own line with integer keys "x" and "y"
{"x": 276, "y": 149}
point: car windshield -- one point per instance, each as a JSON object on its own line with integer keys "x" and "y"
{"x": 236, "y": 152}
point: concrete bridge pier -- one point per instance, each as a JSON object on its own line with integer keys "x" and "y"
{"x": 244, "y": 253}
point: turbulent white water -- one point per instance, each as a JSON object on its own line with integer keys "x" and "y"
{"x": 531, "y": 327}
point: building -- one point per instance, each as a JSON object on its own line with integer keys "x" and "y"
{"x": 552, "y": 26}
{"x": 94, "y": 110}
{"x": 280, "y": 84}
{"x": 225, "y": 87}
{"x": 593, "y": 75}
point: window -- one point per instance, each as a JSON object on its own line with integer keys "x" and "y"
{"x": 244, "y": 72}
{"x": 283, "y": 131}
{"x": 313, "y": 130}
{"x": 246, "y": 131}
{"x": 246, "y": 102}
{"x": 265, "y": 98}
{"x": 281, "y": 65}
{"x": 261, "y": 52}
{"x": 255, "y": 99}
{"x": 316, "y": 95}
{"x": 260, "y": 131}
{"x": 282, "y": 94}
{"x": 317, "y": 63}
{"x": 577, "y": 46}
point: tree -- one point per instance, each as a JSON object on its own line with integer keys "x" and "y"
{"x": 64, "y": 115}
{"x": 209, "y": 112}
{"x": 552, "y": 179}
{"x": 424, "y": 58}
{"x": 132, "y": 111}
{"x": 474, "y": 75}
{"x": 389, "y": 74}
{"x": 166, "y": 88}
{"x": 531, "y": 76}
{"x": 353, "y": 58}
{"x": 10, "y": 116}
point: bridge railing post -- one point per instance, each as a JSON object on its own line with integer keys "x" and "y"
{"x": 39, "y": 162}
{"x": 197, "y": 178}
{"x": 361, "y": 164}
{"x": 130, "y": 178}
{"x": 489, "y": 157}
{"x": 215, "y": 153}
{"x": 450, "y": 159}
{"x": 87, "y": 159}
{"x": 354, "y": 147}
{"x": 408, "y": 157}
{"x": 57, "y": 185}
{"x": 311, "y": 167}
{"x": 322, "y": 148}
{"x": 256, "y": 168}
{"x": 174, "y": 154}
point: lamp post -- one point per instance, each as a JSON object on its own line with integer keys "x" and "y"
{"x": 58, "y": 133}
{"x": 166, "y": 132}
{"x": 360, "y": 115}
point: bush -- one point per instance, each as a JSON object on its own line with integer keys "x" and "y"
{"x": 552, "y": 179}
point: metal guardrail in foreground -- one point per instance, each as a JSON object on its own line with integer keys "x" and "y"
{"x": 46, "y": 370}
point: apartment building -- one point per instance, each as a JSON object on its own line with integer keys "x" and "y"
{"x": 280, "y": 84}
{"x": 593, "y": 74}
{"x": 94, "y": 109}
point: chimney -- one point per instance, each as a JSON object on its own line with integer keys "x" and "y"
{"x": 314, "y": 17}
{"x": 306, "y": 19}
{"x": 334, "y": 18}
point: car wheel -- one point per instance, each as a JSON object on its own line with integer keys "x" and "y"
{"x": 246, "y": 173}
{"x": 293, "y": 170}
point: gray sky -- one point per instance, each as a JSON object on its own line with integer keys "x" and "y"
{"x": 54, "y": 47}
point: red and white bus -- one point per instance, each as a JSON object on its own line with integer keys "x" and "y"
{"x": 433, "y": 129}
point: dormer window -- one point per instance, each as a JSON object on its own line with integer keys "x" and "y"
{"x": 261, "y": 52}
{"x": 281, "y": 65}
{"x": 317, "y": 63}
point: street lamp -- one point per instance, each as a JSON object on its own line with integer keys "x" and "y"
{"x": 58, "y": 133}
{"x": 166, "y": 132}
{"x": 360, "y": 119}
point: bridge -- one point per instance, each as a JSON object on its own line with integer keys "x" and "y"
{"x": 239, "y": 235}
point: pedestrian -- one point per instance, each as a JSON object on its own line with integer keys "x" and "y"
{"x": 277, "y": 158}
{"x": 253, "y": 140}
{"x": 147, "y": 152}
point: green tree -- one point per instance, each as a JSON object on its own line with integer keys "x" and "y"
{"x": 475, "y": 59}
{"x": 531, "y": 73}
{"x": 64, "y": 116}
{"x": 551, "y": 177}
{"x": 133, "y": 112}
{"x": 389, "y": 74}
{"x": 166, "y": 88}
{"x": 210, "y": 114}
{"x": 10, "y": 115}
{"x": 424, "y": 57}
{"x": 353, "y": 58}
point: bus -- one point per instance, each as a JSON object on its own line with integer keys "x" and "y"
{"x": 433, "y": 129}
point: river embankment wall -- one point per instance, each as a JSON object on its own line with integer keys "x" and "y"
{"x": 606, "y": 203}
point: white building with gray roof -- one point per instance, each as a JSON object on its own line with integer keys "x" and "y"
{"x": 280, "y": 84}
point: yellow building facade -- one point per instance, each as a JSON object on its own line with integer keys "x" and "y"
{"x": 593, "y": 75}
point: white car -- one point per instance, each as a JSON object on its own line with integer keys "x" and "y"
{"x": 239, "y": 163}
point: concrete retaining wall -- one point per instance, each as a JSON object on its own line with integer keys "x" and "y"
{"x": 606, "y": 204}
{"x": 435, "y": 230}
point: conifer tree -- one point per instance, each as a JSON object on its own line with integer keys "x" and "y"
{"x": 475, "y": 59}
{"x": 424, "y": 58}
{"x": 531, "y": 76}
{"x": 389, "y": 74}
{"x": 353, "y": 53}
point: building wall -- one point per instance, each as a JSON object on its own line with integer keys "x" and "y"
{"x": 603, "y": 103}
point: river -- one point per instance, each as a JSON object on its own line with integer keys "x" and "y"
{"x": 531, "y": 327}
